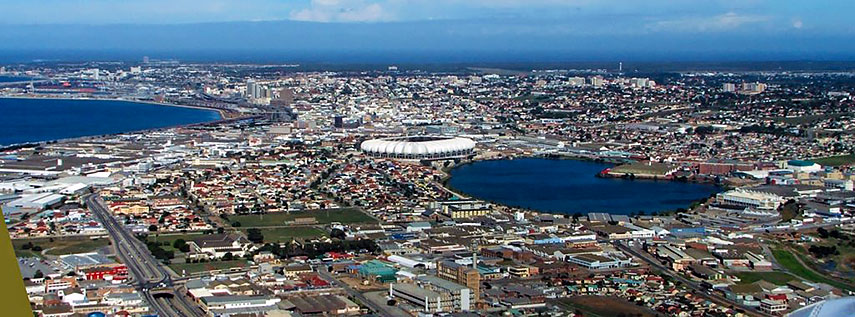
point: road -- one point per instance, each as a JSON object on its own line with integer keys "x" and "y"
{"x": 714, "y": 297}
{"x": 379, "y": 309}
{"x": 146, "y": 271}
{"x": 803, "y": 227}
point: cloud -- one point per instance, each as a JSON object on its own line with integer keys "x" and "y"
{"x": 341, "y": 11}
{"x": 797, "y": 23}
{"x": 724, "y": 22}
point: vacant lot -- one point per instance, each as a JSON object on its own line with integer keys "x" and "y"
{"x": 605, "y": 306}
{"x": 658, "y": 169}
{"x": 274, "y": 235}
{"x": 777, "y": 278}
{"x": 59, "y": 246}
{"x": 344, "y": 215}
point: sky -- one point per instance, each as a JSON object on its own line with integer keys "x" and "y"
{"x": 791, "y": 28}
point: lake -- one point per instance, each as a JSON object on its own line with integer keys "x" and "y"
{"x": 31, "y": 120}
{"x": 570, "y": 186}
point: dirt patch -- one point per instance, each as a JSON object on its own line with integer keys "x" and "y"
{"x": 606, "y": 306}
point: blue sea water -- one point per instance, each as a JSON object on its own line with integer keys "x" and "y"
{"x": 31, "y": 120}
{"x": 570, "y": 186}
{"x": 9, "y": 79}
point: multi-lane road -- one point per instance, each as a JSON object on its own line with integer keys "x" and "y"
{"x": 146, "y": 271}
{"x": 712, "y": 296}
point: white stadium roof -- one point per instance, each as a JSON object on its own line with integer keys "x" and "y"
{"x": 418, "y": 145}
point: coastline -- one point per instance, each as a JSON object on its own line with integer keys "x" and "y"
{"x": 219, "y": 112}
{"x": 8, "y": 147}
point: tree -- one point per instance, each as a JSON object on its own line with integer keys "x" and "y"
{"x": 181, "y": 245}
{"x": 338, "y": 233}
{"x": 152, "y": 228}
{"x": 37, "y": 248}
{"x": 236, "y": 224}
{"x": 178, "y": 243}
{"x": 221, "y": 230}
{"x": 228, "y": 256}
{"x": 254, "y": 235}
{"x": 38, "y": 274}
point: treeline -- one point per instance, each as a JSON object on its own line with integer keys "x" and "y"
{"x": 157, "y": 250}
{"x": 820, "y": 251}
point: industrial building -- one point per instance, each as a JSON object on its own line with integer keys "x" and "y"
{"x": 750, "y": 198}
{"x": 434, "y": 295}
{"x": 464, "y": 208}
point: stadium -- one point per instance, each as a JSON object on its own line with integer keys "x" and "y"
{"x": 419, "y": 147}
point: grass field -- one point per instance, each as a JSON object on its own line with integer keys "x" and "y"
{"x": 287, "y": 234}
{"x": 344, "y": 215}
{"x": 171, "y": 239}
{"x": 777, "y": 278}
{"x": 788, "y": 260}
{"x": 836, "y": 160}
{"x": 190, "y": 268}
{"x": 59, "y": 246}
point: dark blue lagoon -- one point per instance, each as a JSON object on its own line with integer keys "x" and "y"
{"x": 32, "y": 120}
{"x": 570, "y": 186}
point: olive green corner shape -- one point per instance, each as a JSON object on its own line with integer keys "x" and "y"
{"x": 13, "y": 295}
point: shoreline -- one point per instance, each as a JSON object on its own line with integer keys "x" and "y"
{"x": 9, "y": 147}
{"x": 446, "y": 184}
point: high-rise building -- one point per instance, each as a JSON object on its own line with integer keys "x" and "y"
{"x": 338, "y": 122}
{"x": 728, "y": 87}
{"x": 576, "y": 81}
{"x": 145, "y": 59}
{"x": 753, "y": 88}
{"x": 253, "y": 90}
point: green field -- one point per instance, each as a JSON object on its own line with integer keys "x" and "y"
{"x": 171, "y": 239}
{"x": 788, "y": 260}
{"x": 836, "y": 160}
{"x": 59, "y": 246}
{"x": 272, "y": 235}
{"x": 344, "y": 215}
{"x": 777, "y": 278}
{"x": 190, "y": 268}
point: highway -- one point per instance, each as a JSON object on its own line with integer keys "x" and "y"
{"x": 146, "y": 271}
{"x": 712, "y": 296}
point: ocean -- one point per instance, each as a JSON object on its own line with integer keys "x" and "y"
{"x": 33, "y": 120}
